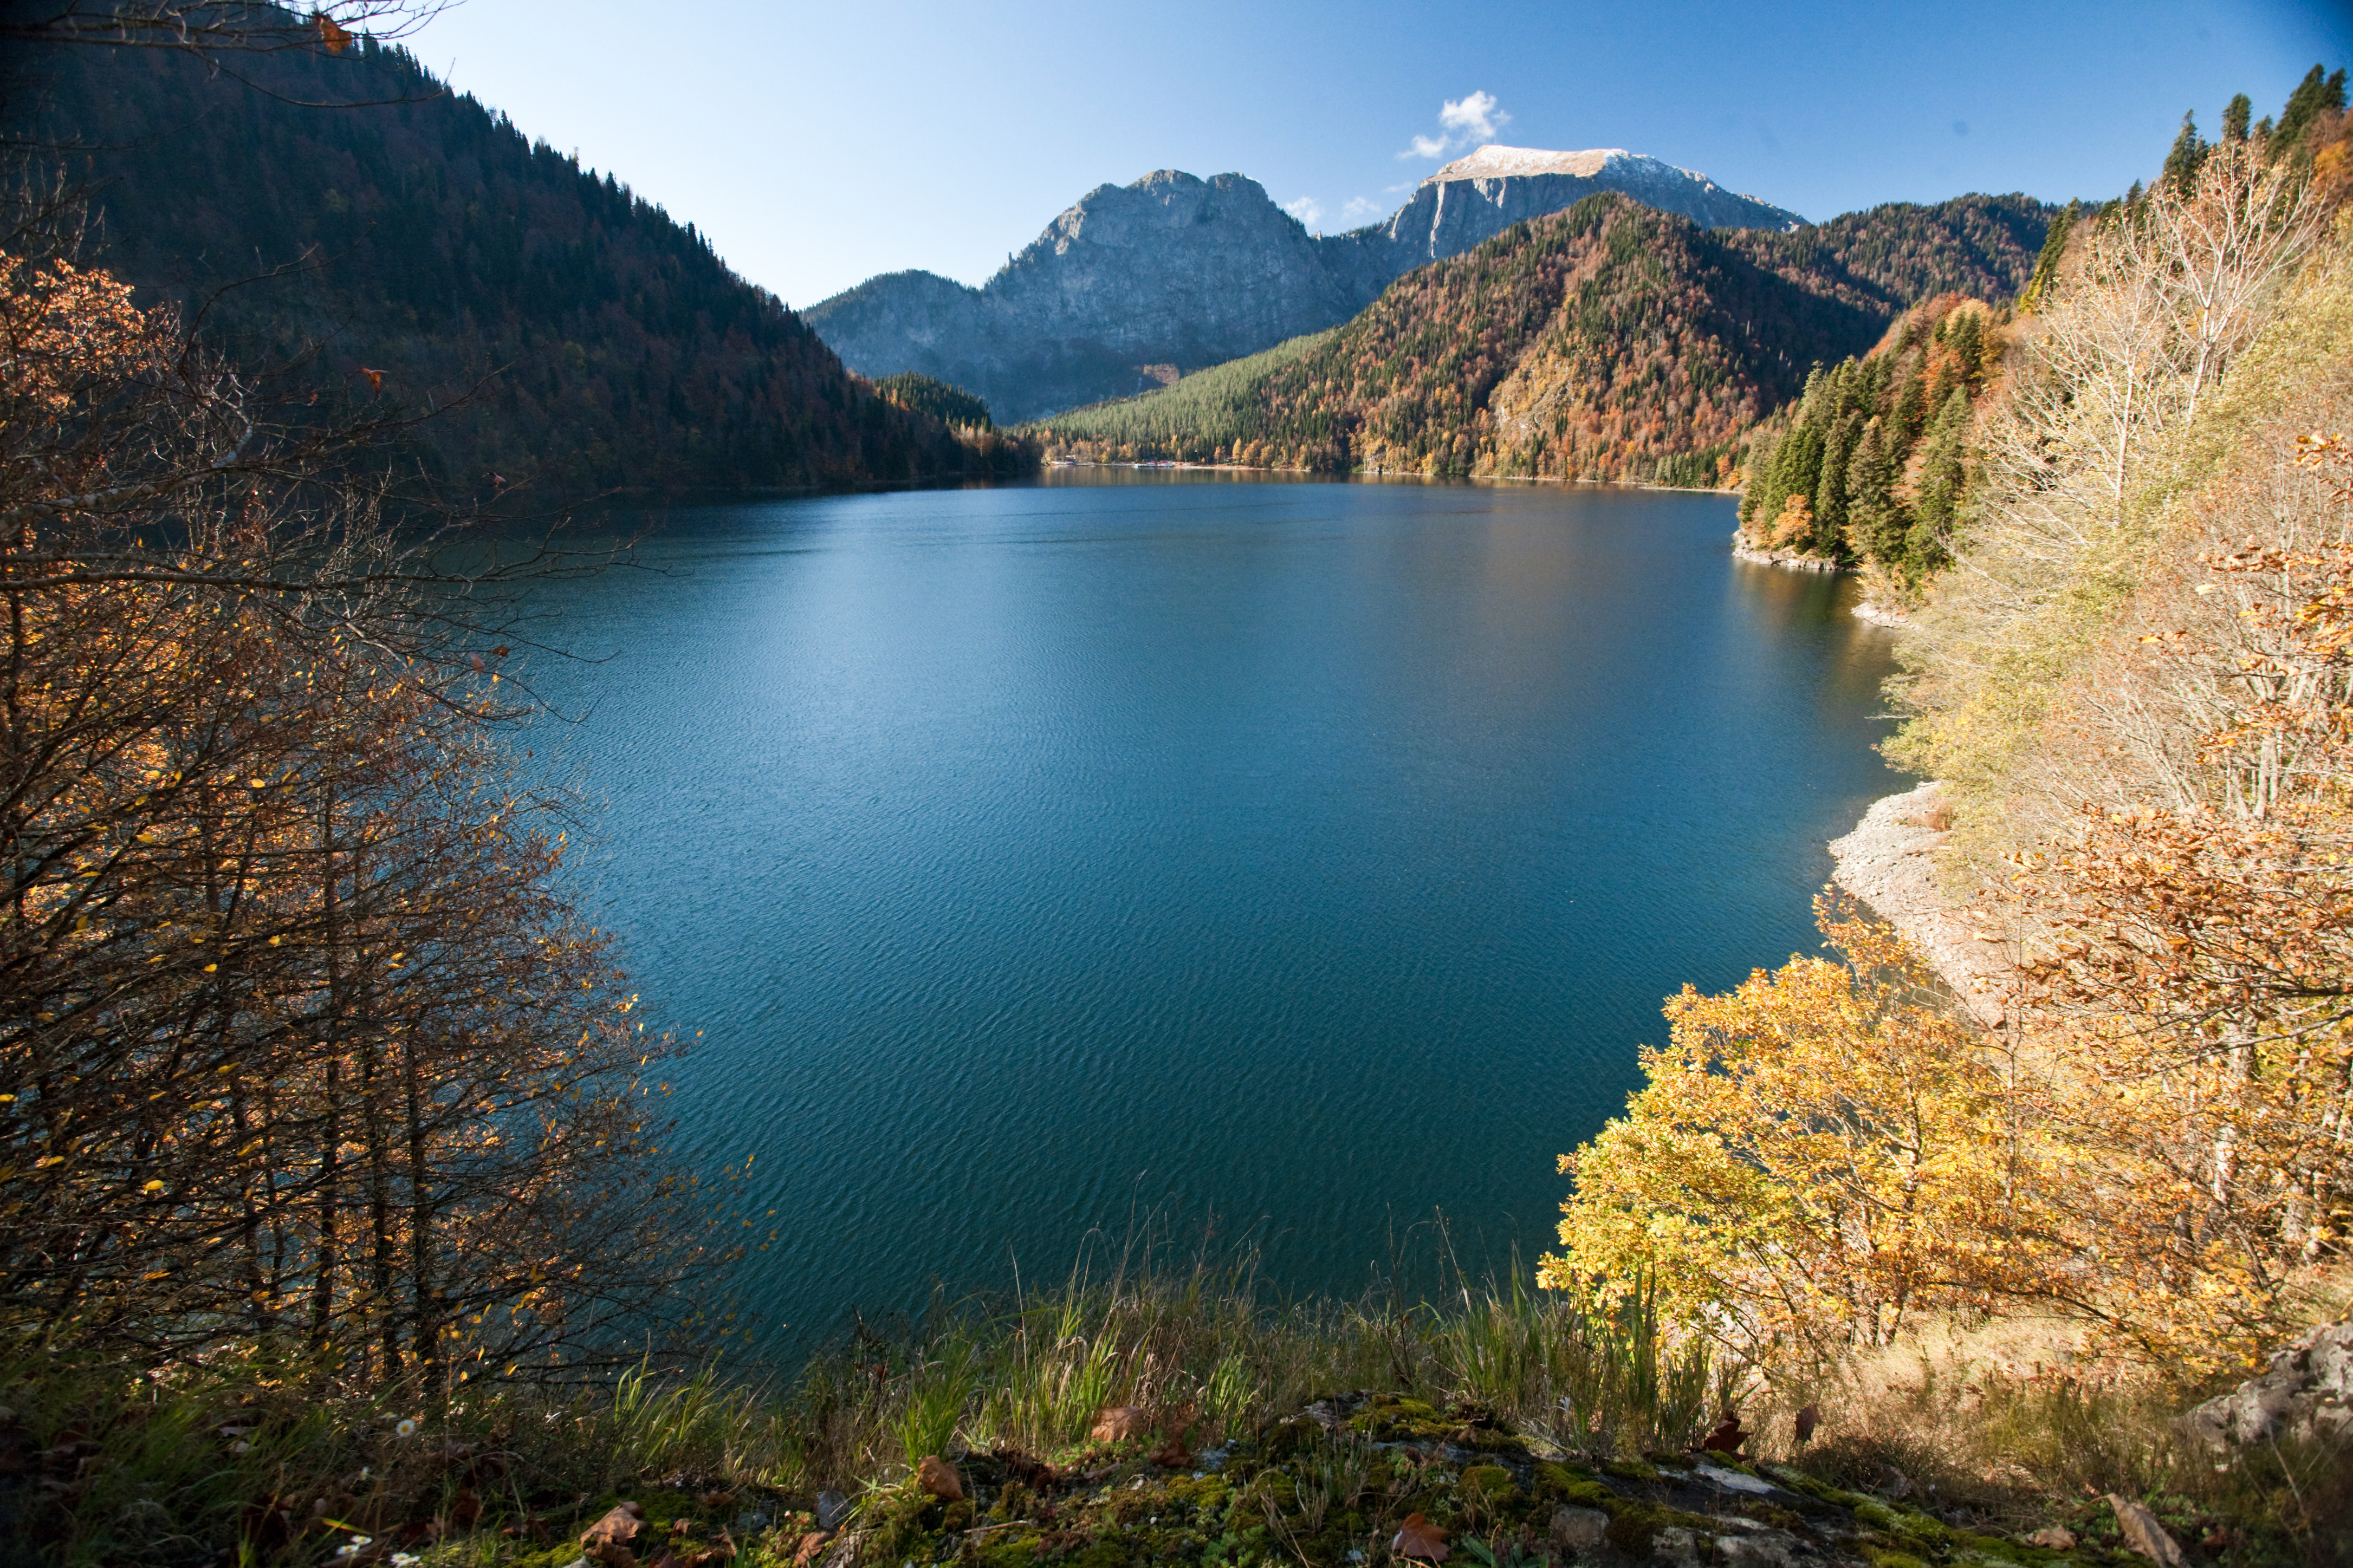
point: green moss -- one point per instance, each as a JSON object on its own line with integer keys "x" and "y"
{"x": 1798, "y": 1481}
{"x": 1631, "y": 1471}
{"x": 1489, "y": 1482}
{"x": 1901, "y": 1521}
{"x": 1882, "y": 1557}
{"x": 1779, "y": 1517}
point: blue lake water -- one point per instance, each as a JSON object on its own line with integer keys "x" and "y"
{"x": 1312, "y": 855}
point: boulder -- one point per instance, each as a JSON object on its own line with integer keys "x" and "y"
{"x": 2304, "y": 1393}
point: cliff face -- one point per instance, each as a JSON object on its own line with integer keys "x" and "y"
{"x": 1175, "y": 272}
{"x": 1473, "y": 199}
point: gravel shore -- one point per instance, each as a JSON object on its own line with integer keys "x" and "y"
{"x": 1886, "y": 862}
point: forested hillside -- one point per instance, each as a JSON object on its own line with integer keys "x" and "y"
{"x": 2124, "y": 518}
{"x": 1869, "y": 465}
{"x": 1609, "y": 342}
{"x": 589, "y": 339}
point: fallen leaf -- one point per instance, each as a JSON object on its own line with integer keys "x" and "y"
{"x": 2052, "y": 1538}
{"x": 465, "y": 1509}
{"x": 708, "y": 1499}
{"x": 1808, "y": 1419}
{"x": 811, "y": 1544}
{"x": 2144, "y": 1535}
{"x": 939, "y": 1478}
{"x": 1727, "y": 1436}
{"x": 1419, "y": 1537}
{"x": 1118, "y": 1423}
{"x": 618, "y": 1528}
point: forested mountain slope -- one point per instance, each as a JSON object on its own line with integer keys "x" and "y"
{"x": 1136, "y": 283}
{"x": 604, "y": 343}
{"x": 1609, "y": 342}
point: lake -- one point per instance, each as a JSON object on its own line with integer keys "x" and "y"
{"x": 1311, "y": 857}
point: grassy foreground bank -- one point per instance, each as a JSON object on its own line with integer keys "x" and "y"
{"x": 1155, "y": 1414}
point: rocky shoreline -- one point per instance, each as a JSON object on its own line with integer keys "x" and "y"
{"x": 1888, "y": 862}
{"x": 1789, "y": 558}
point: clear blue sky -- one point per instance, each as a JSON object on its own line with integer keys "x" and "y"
{"x": 820, "y": 143}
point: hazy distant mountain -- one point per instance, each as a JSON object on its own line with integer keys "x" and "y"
{"x": 1138, "y": 283}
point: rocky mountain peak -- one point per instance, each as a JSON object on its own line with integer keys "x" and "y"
{"x": 1171, "y": 269}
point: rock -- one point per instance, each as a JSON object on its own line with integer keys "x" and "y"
{"x": 1578, "y": 1529}
{"x": 1735, "y": 1481}
{"x": 1757, "y": 1548}
{"x": 2144, "y": 1535}
{"x": 1887, "y": 862}
{"x": 1676, "y": 1545}
{"x": 1177, "y": 272}
{"x": 832, "y": 1507}
{"x": 2306, "y": 1392}
{"x": 2052, "y": 1538}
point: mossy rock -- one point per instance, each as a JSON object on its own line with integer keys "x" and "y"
{"x": 1285, "y": 1439}
{"x": 1884, "y": 1557}
{"x": 1392, "y": 1420}
{"x": 1821, "y": 1490}
{"x": 1557, "y": 1484}
{"x": 1902, "y": 1522}
{"x": 1774, "y": 1514}
{"x": 1210, "y": 1491}
{"x": 1632, "y": 1470}
{"x": 1489, "y": 1483}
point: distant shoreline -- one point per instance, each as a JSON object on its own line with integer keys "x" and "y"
{"x": 1170, "y": 465}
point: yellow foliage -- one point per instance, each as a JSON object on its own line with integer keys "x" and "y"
{"x": 1817, "y": 1156}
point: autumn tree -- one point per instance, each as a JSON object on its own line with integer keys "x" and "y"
{"x": 1815, "y": 1160}
{"x": 302, "y": 1045}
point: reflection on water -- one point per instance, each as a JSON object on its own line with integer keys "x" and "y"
{"x": 1308, "y": 854}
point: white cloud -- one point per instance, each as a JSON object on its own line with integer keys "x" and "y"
{"x": 1470, "y": 121}
{"x": 1306, "y": 209}
{"x": 1476, "y": 118}
{"x": 1357, "y": 209}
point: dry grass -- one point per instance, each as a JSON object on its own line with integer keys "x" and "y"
{"x": 2006, "y": 1425}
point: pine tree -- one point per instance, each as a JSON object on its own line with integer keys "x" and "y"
{"x": 1874, "y": 521}
{"x": 2234, "y": 117}
{"x": 1829, "y": 488}
{"x": 2314, "y": 95}
{"x": 1943, "y": 458}
{"x": 2054, "y": 247}
{"x": 2188, "y": 153}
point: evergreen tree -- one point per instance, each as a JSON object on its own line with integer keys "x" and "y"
{"x": 1942, "y": 461}
{"x": 2317, "y": 94}
{"x": 2181, "y": 165}
{"x": 1829, "y": 488}
{"x": 1874, "y": 521}
{"x": 2234, "y": 117}
{"x": 2054, "y": 244}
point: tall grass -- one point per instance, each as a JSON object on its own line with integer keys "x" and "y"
{"x": 1204, "y": 1345}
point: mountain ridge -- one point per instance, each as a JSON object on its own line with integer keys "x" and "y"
{"x": 1607, "y": 342}
{"x": 1089, "y": 309}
